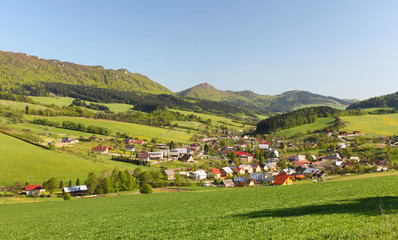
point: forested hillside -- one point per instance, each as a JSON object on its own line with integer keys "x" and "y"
{"x": 18, "y": 69}
{"x": 386, "y": 101}
{"x": 294, "y": 119}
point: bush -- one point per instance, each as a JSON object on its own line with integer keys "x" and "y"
{"x": 146, "y": 188}
{"x": 67, "y": 196}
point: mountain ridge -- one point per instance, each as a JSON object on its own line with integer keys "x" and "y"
{"x": 283, "y": 102}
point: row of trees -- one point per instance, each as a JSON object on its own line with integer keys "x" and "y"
{"x": 73, "y": 126}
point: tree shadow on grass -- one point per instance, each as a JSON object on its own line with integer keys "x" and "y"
{"x": 365, "y": 206}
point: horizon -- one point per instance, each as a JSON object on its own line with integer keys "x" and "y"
{"x": 265, "y": 47}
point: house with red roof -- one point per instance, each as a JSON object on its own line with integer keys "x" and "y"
{"x": 139, "y": 142}
{"x": 31, "y": 189}
{"x": 244, "y": 156}
{"x": 214, "y": 173}
{"x": 100, "y": 149}
{"x": 283, "y": 179}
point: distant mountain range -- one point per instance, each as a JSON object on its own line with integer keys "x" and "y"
{"x": 284, "y": 102}
{"x": 18, "y": 70}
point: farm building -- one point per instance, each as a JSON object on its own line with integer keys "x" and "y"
{"x": 75, "y": 190}
{"x": 30, "y": 189}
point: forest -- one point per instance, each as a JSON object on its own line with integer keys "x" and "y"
{"x": 386, "y": 101}
{"x": 294, "y": 119}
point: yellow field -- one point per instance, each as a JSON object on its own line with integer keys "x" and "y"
{"x": 374, "y": 125}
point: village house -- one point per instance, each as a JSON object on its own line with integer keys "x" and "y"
{"x": 256, "y": 168}
{"x": 128, "y": 140}
{"x": 130, "y": 148}
{"x": 194, "y": 147}
{"x": 182, "y": 150}
{"x": 174, "y": 154}
{"x": 169, "y": 173}
{"x": 244, "y": 156}
{"x": 226, "y": 171}
{"x": 155, "y": 155}
{"x": 75, "y": 190}
{"x": 100, "y": 149}
{"x": 143, "y": 156}
{"x": 214, "y": 173}
{"x": 31, "y": 189}
{"x": 283, "y": 179}
{"x": 199, "y": 175}
{"x": 263, "y": 146}
{"x": 139, "y": 142}
{"x": 186, "y": 158}
{"x": 159, "y": 145}
{"x": 240, "y": 170}
{"x": 273, "y": 153}
{"x": 227, "y": 183}
{"x": 94, "y": 138}
{"x": 69, "y": 140}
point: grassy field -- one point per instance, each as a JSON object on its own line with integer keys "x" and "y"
{"x": 19, "y": 105}
{"x": 319, "y": 124}
{"x": 376, "y": 125}
{"x": 20, "y": 160}
{"x": 215, "y": 120}
{"x": 136, "y": 130}
{"x": 352, "y": 209}
{"x": 66, "y": 101}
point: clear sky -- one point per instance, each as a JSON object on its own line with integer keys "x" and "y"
{"x": 343, "y": 48}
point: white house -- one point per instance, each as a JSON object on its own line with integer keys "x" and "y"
{"x": 199, "y": 175}
{"x": 263, "y": 146}
{"x": 227, "y": 171}
{"x": 155, "y": 155}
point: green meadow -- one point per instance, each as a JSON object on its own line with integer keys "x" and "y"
{"x": 364, "y": 208}
{"x": 21, "y": 161}
{"x": 66, "y": 101}
{"x": 136, "y": 130}
{"x": 376, "y": 125}
{"x": 20, "y": 106}
{"x": 320, "y": 123}
{"x": 215, "y": 120}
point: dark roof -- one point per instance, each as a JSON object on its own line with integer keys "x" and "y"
{"x": 143, "y": 155}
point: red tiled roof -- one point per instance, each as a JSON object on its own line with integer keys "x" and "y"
{"x": 215, "y": 170}
{"x": 32, "y": 187}
{"x": 281, "y": 178}
{"x": 239, "y": 153}
{"x": 99, "y": 148}
{"x": 139, "y": 141}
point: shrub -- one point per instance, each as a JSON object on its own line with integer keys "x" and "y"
{"x": 146, "y": 188}
{"x": 67, "y": 196}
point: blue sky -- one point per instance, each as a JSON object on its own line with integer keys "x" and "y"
{"x": 346, "y": 49}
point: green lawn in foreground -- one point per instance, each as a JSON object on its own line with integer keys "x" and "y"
{"x": 326, "y": 210}
{"x": 377, "y": 125}
{"x": 136, "y": 130}
{"x": 20, "y": 160}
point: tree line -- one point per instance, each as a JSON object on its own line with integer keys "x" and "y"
{"x": 73, "y": 126}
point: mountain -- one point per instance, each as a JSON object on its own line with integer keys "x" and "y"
{"x": 284, "y": 102}
{"x": 18, "y": 69}
{"x": 385, "y": 101}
